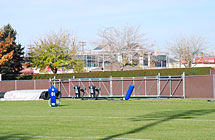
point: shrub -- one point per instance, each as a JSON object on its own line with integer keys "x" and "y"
{"x": 134, "y": 73}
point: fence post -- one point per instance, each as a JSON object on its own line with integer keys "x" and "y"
{"x": 170, "y": 86}
{"x": 111, "y": 94}
{"x": 59, "y": 84}
{"x": 89, "y": 84}
{"x": 145, "y": 86}
{"x": 35, "y": 87}
{"x": 100, "y": 80}
{"x": 50, "y": 82}
{"x": 134, "y": 88}
{"x": 122, "y": 86}
{"x": 158, "y": 85}
{"x": 15, "y": 84}
{"x": 214, "y": 86}
{"x": 69, "y": 88}
{"x": 183, "y": 78}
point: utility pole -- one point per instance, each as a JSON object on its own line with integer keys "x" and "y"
{"x": 103, "y": 62}
{"x": 82, "y": 44}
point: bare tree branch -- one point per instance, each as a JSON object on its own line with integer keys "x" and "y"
{"x": 187, "y": 48}
{"x": 125, "y": 43}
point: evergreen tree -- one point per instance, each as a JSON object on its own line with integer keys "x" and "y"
{"x": 12, "y": 68}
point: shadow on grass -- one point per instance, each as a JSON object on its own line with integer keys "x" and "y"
{"x": 15, "y": 137}
{"x": 162, "y": 117}
{"x": 63, "y": 105}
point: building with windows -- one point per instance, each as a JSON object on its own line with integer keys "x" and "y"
{"x": 100, "y": 60}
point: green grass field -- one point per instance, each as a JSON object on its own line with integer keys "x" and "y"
{"x": 146, "y": 119}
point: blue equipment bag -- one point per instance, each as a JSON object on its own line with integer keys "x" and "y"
{"x": 53, "y": 91}
{"x": 130, "y": 90}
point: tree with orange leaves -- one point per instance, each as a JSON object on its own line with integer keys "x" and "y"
{"x": 4, "y": 44}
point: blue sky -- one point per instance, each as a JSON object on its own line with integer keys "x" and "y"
{"x": 161, "y": 20}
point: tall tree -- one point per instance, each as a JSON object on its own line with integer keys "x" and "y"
{"x": 4, "y": 45}
{"x": 55, "y": 50}
{"x": 13, "y": 67}
{"x": 123, "y": 45}
{"x": 187, "y": 48}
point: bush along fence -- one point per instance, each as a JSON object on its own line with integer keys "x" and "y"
{"x": 134, "y": 73}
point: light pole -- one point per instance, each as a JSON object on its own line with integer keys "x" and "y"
{"x": 156, "y": 54}
{"x": 82, "y": 44}
{"x": 103, "y": 62}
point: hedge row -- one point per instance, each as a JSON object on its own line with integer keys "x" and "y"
{"x": 134, "y": 73}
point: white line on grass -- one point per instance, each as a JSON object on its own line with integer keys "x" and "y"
{"x": 69, "y": 137}
{"x": 142, "y": 118}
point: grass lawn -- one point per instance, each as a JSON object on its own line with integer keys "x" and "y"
{"x": 145, "y": 119}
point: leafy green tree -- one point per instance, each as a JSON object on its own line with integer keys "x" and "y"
{"x": 54, "y": 51}
{"x": 12, "y": 68}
